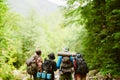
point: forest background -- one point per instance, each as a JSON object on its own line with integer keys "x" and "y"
{"x": 91, "y": 27}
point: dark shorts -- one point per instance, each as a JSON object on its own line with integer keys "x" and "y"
{"x": 66, "y": 76}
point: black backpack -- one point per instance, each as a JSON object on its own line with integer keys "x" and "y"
{"x": 47, "y": 66}
{"x": 81, "y": 66}
{"x": 66, "y": 65}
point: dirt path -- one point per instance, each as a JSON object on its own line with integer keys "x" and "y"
{"x": 22, "y": 75}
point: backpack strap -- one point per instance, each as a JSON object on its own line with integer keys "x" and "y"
{"x": 74, "y": 64}
{"x": 39, "y": 64}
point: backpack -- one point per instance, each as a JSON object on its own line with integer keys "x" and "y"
{"x": 47, "y": 66}
{"x": 32, "y": 65}
{"x": 31, "y": 69}
{"x": 81, "y": 66}
{"x": 66, "y": 65}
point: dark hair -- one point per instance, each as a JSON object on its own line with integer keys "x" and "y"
{"x": 51, "y": 56}
{"x": 38, "y": 52}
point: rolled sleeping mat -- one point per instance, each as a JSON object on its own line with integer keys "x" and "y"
{"x": 66, "y": 54}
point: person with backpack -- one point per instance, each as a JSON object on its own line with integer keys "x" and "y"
{"x": 80, "y": 67}
{"x": 65, "y": 66}
{"x": 49, "y": 66}
{"x": 34, "y": 64}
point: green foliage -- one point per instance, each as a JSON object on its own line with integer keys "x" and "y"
{"x": 3, "y": 9}
{"x": 5, "y": 56}
{"x": 99, "y": 39}
{"x": 20, "y": 36}
{"x": 6, "y": 72}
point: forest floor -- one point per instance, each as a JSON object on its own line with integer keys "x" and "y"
{"x": 90, "y": 76}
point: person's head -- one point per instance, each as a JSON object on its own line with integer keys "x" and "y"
{"x": 66, "y": 49}
{"x": 38, "y": 52}
{"x": 78, "y": 55}
{"x": 51, "y": 55}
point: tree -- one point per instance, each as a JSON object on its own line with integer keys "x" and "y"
{"x": 101, "y": 19}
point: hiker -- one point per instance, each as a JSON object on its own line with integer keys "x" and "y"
{"x": 65, "y": 66}
{"x": 32, "y": 65}
{"x": 80, "y": 67}
{"x": 49, "y": 65}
